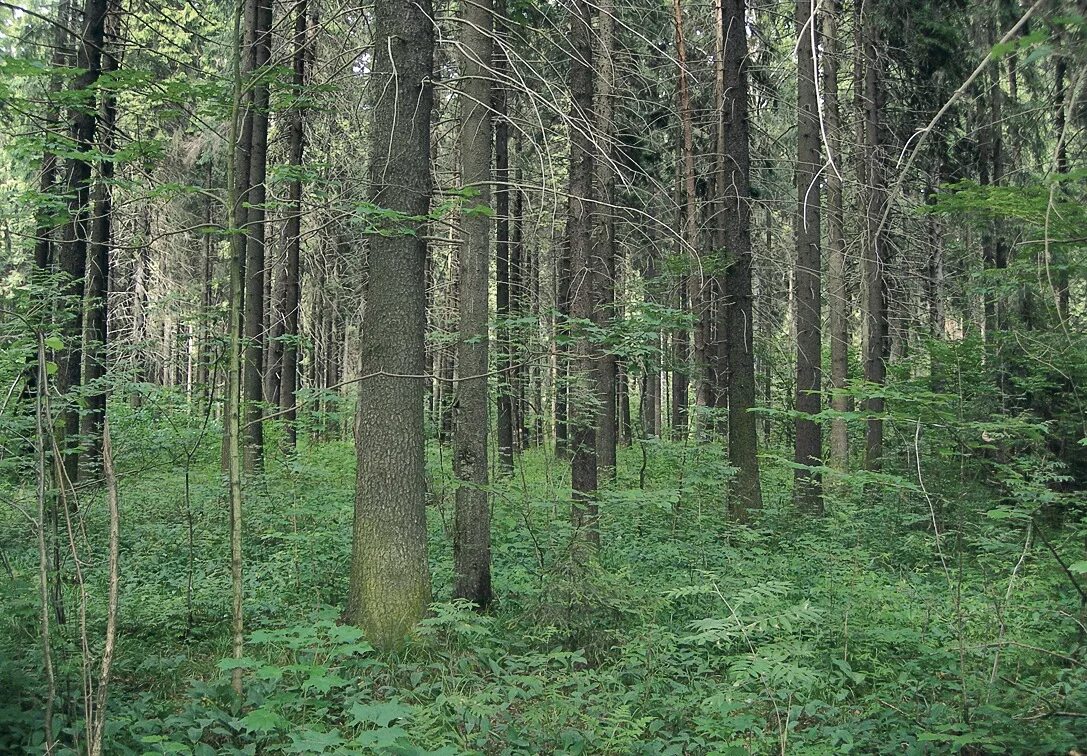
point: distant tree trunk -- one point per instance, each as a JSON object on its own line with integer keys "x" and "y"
{"x": 390, "y": 581}
{"x": 1060, "y": 133}
{"x": 807, "y": 278}
{"x": 742, "y": 433}
{"x": 503, "y": 272}
{"x": 472, "y": 533}
{"x": 253, "y": 381}
{"x": 603, "y": 248}
{"x": 875, "y": 361}
{"x": 581, "y": 411}
{"x": 45, "y": 226}
{"x": 690, "y": 227}
{"x": 651, "y": 382}
{"x": 837, "y": 279}
{"x": 288, "y": 388}
{"x": 519, "y": 305}
{"x": 561, "y": 362}
{"x": 96, "y": 293}
{"x": 72, "y": 255}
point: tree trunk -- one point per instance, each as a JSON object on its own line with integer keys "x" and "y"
{"x": 98, "y": 258}
{"x": 875, "y": 361}
{"x": 390, "y": 580}
{"x": 503, "y": 272}
{"x": 472, "y": 531}
{"x": 253, "y": 381}
{"x": 603, "y": 248}
{"x": 72, "y": 255}
{"x": 581, "y": 409}
{"x": 737, "y": 321}
{"x": 288, "y": 388}
{"x": 807, "y": 482}
{"x": 690, "y": 227}
{"x": 839, "y": 306}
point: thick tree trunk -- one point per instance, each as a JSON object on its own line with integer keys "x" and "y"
{"x": 581, "y": 409}
{"x": 472, "y": 531}
{"x": 807, "y": 277}
{"x": 737, "y": 321}
{"x": 390, "y": 580}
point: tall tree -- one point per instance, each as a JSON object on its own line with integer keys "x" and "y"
{"x": 876, "y": 324}
{"x": 71, "y": 257}
{"x": 260, "y": 18}
{"x": 581, "y": 408}
{"x": 96, "y": 291}
{"x": 505, "y": 269}
{"x": 603, "y": 248}
{"x": 807, "y": 276}
{"x": 838, "y": 301}
{"x": 390, "y": 579}
{"x": 735, "y": 193}
{"x": 288, "y": 391}
{"x": 689, "y": 235}
{"x": 472, "y": 534}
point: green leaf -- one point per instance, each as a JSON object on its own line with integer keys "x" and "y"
{"x": 1078, "y": 568}
{"x": 380, "y": 714}
{"x": 55, "y": 343}
{"x": 262, "y": 720}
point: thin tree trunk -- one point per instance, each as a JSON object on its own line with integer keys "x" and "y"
{"x": 875, "y": 362}
{"x": 253, "y": 381}
{"x": 603, "y": 247}
{"x": 808, "y": 287}
{"x": 690, "y": 226}
{"x": 503, "y": 270}
{"x": 839, "y": 305}
{"x": 288, "y": 389}
{"x": 232, "y": 412}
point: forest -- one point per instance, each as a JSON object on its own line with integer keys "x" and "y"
{"x": 543, "y": 376}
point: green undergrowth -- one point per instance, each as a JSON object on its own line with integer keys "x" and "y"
{"x": 868, "y": 631}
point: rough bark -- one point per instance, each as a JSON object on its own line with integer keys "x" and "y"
{"x": 877, "y": 332}
{"x": 96, "y": 292}
{"x": 288, "y": 388}
{"x": 503, "y": 273}
{"x": 742, "y": 433}
{"x": 838, "y": 301}
{"x": 472, "y": 529}
{"x": 582, "y": 410}
{"x": 807, "y": 276}
{"x": 253, "y": 381}
{"x": 390, "y": 582}
{"x": 690, "y": 227}
{"x": 603, "y": 249}
{"x": 72, "y": 254}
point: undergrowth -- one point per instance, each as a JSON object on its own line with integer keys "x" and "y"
{"x": 906, "y": 621}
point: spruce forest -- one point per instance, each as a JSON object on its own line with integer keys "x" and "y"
{"x": 543, "y": 376}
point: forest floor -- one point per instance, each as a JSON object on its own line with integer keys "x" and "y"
{"x": 867, "y": 631}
